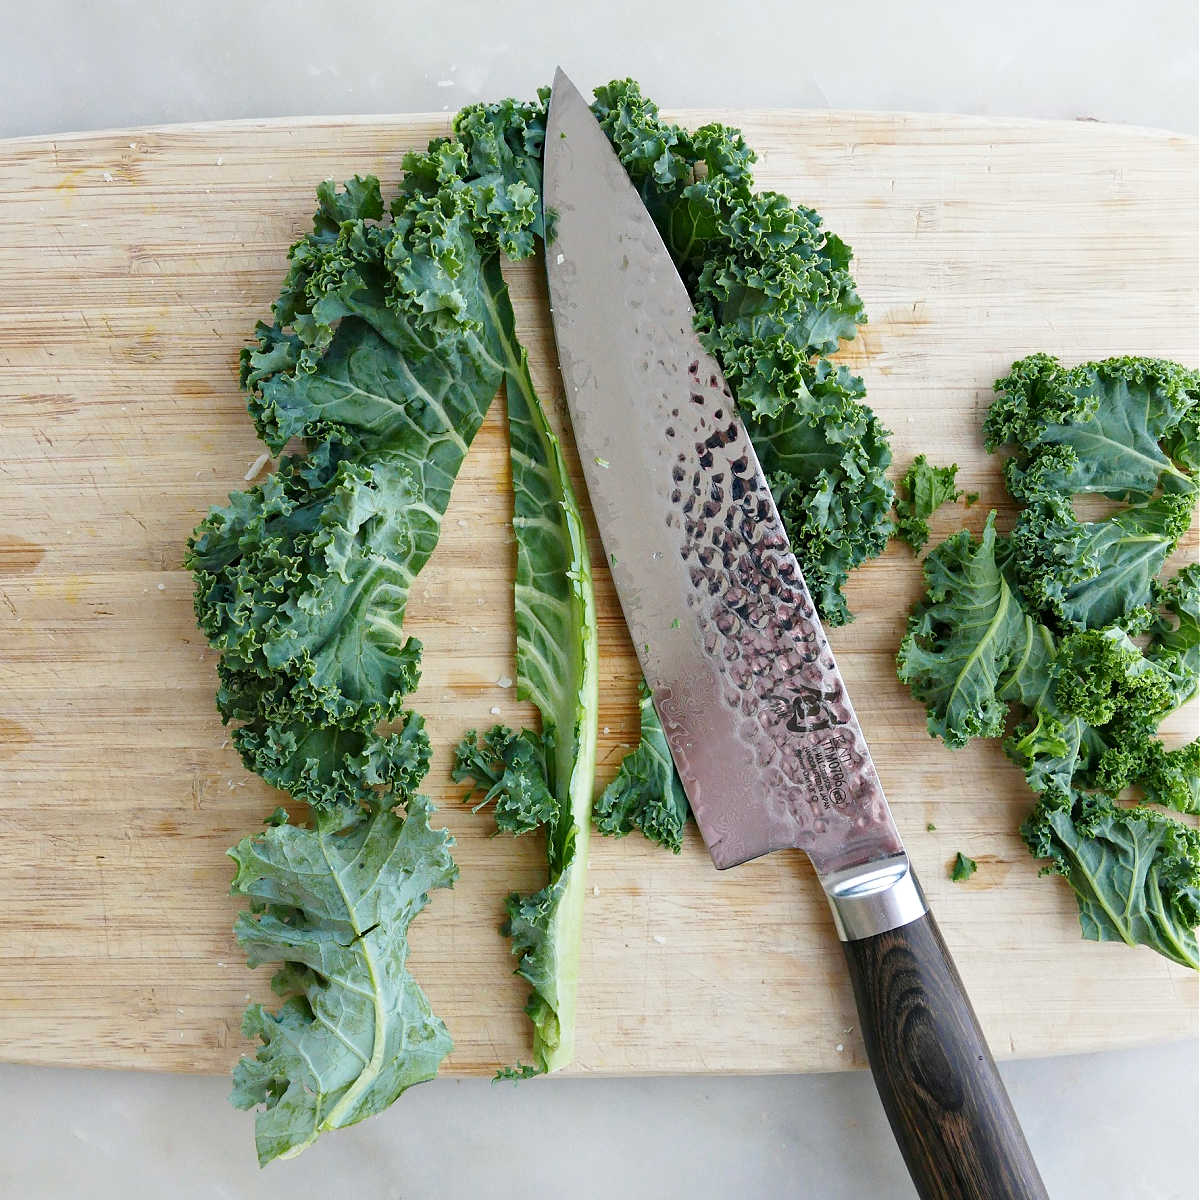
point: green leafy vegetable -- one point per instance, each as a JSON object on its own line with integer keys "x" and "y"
{"x": 516, "y": 1073}
{"x": 1103, "y": 427}
{"x": 970, "y": 649}
{"x": 923, "y": 490}
{"x": 1175, "y": 642}
{"x": 646, "y": 793}
{"x": 547, "y": 777}
{"x": 1124, "y": 429}
{"x": 1136, "y": 873}
{"x": 1065, "y": 624}
{"x": 962, "y": 867}
{"x": 333, "y": 905}
{"x": 510, "y": 769}
{"x": 1083, "y": 574}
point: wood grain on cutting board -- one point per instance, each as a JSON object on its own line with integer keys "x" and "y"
{"x": 133, "y": 266}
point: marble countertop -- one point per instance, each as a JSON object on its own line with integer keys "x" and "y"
{"x": 1115, "y": 1126}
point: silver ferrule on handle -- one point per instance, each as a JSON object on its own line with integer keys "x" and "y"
{"x": 874, "y": 897}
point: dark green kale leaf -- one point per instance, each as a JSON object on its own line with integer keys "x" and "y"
{"x": 825, "y": 461}
{"x": 510, "y": 769}
{"x": 1135, "y": 873}
{"x": 1125, "y": 429}
{"x": 923, "y": 490}
{"x": 1086, "y": 574}
{"x": 1101, "y": 676}
{"x": 646, "y": 793}
{"x": 1175, "y": 635}
{"x": 1108, "y": 427}
{"x": 326, "y": 766}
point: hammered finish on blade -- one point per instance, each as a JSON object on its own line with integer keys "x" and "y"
{"x": 755, "y": 712}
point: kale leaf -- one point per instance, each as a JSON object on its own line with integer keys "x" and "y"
{"x": 333, "y": 905}
{"x": 923, "y": 490}
{"x": 1135, "y": 872}
{"x": 646, "y": 793}
{"x": 1124, "y": 429}
{"x": 962, "y": 867}
{"x": 970, "y": 648}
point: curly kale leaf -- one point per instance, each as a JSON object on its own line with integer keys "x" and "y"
{"x": 492, "y": 166}
{"x": 333, "y": 905}
{"x": 1175, "y": 635}
{"x": 326, "y": 766}
{"x": 1108, "y": 427}
{"x": 771, "y": 287}
{"x": 303, "y": 582}
{"x": 382, "y": 356}
{"x": 1135, "y": 873}
{"x": 970, "y": 649}
{"x": 1101, "y": 676}
{"x": 923, "y": 490}
{"x": 382, "y": 367}
{"x": 646, "y": 793}
{"x": 1124, "y": 428}
{"x": 1086, "y": 574}
{"x": 772, "y": 291}
{"x": 510, "y": 769}
{"x": 825, "y": 461}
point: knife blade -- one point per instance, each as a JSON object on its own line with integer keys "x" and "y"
{"x": 761, "y": 729}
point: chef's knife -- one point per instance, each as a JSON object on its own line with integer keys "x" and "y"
{"x": 755, "y": 711}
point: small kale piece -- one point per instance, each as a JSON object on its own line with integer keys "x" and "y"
{"x": 962, "y": 867}
{"x": 646, "y": 793}
{"x": 923, "y": 490}
{"x": 510, "y": 769}
{"x": 516, "y": 1073}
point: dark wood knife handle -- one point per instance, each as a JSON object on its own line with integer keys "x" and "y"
{"x": 944, "y": 1097}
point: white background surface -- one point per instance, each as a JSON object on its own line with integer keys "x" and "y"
{"x": 1118, "y": 1126}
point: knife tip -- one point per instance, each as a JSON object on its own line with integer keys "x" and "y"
{"x": 561, "y": 83}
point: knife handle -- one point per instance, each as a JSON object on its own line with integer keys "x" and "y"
{"x": 939, "y": 1085}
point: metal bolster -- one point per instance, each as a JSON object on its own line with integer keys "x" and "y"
{"x": 874, "y": 897}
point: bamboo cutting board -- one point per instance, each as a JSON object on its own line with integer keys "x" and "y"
{"x": 132, "y": 268}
